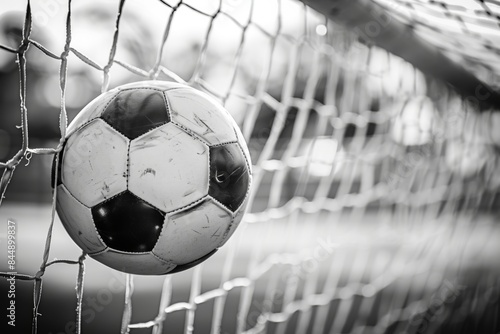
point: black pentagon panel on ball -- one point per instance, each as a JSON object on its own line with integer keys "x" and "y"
{"x": 186, "y": 266}
{"x": 128, "y": 223}
{"x": 229, "y": 176}
{"x": 134, "y": 112}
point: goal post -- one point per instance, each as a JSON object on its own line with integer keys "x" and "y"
{"x": 375, "y": 193}
{"x": 378, "y": 23}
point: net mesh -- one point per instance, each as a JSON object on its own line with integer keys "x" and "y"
{"x": 470, "y": 27}
{"x": 375, "y": 186}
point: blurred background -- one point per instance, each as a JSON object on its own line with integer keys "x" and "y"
{"x": 376, "y": 189}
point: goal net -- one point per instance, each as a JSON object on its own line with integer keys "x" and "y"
{"x": 373, "y": 128}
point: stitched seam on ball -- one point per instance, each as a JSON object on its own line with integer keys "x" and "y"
{"x": 59, "y": 166}
{"x": 223, "y": 208}
{"x": 76, "y": 199}
{"x": 247, "y": 194}
{"x": 86, "y": 124}
{"x": 83, "y": 125}
{"x": 150, "y": 130}
{"x": 156, "y": 127}
{"x": 187, "y": 206}
{"x": 167, "y": 106}
{"x": 151, "y": 204}
{"x": 190, "y": 133}
{"x": 222, "y": 205}
{"x": 199, "y": 137}
{"x": 93, "y": 222}
{"x": 127, "y": 173}
{"x": 243, "y": 151}
{"x": 109, "y": 102}
{"x": 226, "y": 232}
{"x": 126, "y": 137}
{"x": 99, "y": 252}
{"x": 105, "y": 123}
{"x": 249, "y": 179}
{"x": 110, "y": 198}
{"x": 165, "y": 223}
{"x": 137, "y": 88}
{"x": 228, "y": 212}
{"x": 104, "y": 109}
{"x": 233, "y": 216}
{"x": 225, "y": 143}
{"x": 209, "y": 170}
{"x": 128, "y": 253}
{"x": 90, "y": 120}
{"x": 163, "y": 260}
{"x": 249, "y": 165}
{"x": 175, "y": 88}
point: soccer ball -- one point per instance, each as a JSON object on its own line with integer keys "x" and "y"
{"x": 153, "y": 178}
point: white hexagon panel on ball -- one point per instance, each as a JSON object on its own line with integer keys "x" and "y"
{"x": 168, "y": 168}
{"x": 95, "y": 163}
{"x": 193, "y": 232}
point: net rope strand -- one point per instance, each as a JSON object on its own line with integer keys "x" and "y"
{"x": 439, "y": 199}
{"x": 112, "y": 51}
{"x": 10, "y": 165}
{"x": 37, "y": 293}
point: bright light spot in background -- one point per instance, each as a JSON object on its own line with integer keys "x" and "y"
{"x": 321, "y": 30}
{"x": 8, "y": 5}
{"x": 414, "y": 121}
{"x": 392, "y": 75}
{"x": 324, "y": 155}
{"x": 466, "y": 159}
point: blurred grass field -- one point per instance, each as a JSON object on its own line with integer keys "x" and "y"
{"x": 458, "y": 261}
